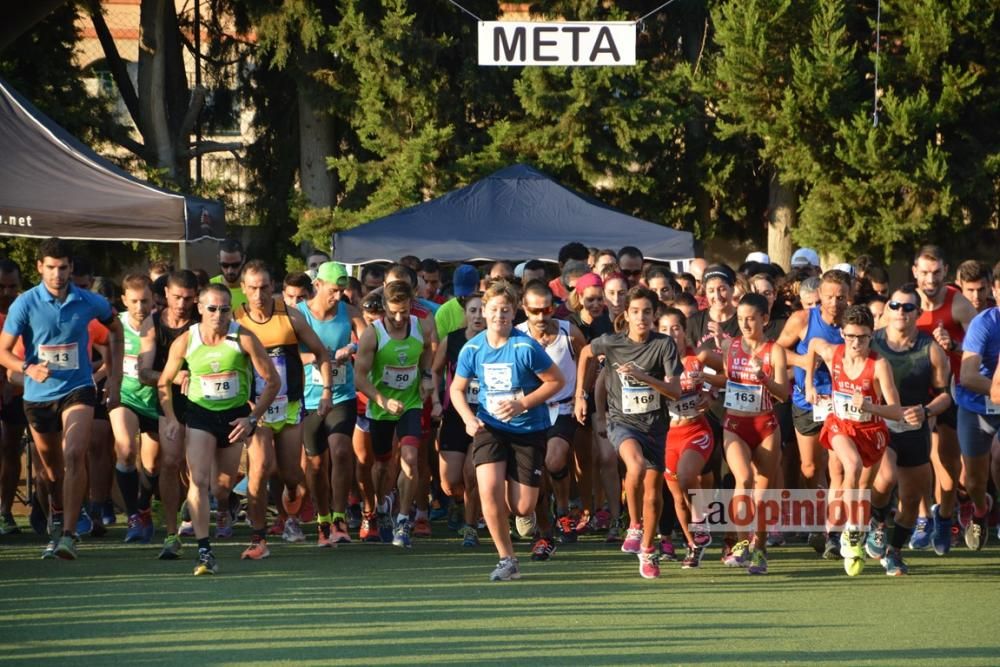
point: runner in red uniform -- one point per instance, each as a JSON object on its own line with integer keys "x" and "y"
{"x": 863, "y": 395}
{"x": 755, "y": 372}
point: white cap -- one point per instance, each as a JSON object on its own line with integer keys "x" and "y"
{"x": 519, "y": 270}
{"x": 805, "y": 257}
{"x": 759, "y": 257}
{"x": 845, "y": 267}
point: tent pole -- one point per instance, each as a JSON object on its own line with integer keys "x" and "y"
{"x": 182, "y": 255}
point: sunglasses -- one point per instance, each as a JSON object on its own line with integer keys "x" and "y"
{"x": 372, "y": 306}
{"x": 539, "y": 311}
{"x": 218, "y": 309}
{"x": 907, "y": 307}
{"x": 230, "y": 265}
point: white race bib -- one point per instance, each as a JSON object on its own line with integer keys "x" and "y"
{"x": 472, "y": 392}
{"x": 399, "y": 377}
{"x": 220, "y": 386}
{"x": 130, "y": 366}
{"x": 60, "y": 357}
{"x": 901, "y": 426}
{"x": 494, "y": 398}
{"x": 685, "y": 407}
{"x": 822, "y": 409}
{"x": 277, "y": 411}
{"x": 338, "y": 375}
{"x": 639, "y": 400}
{"x": 744, "y": 397}
{"x": 843, "y": 407}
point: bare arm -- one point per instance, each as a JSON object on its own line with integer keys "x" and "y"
{"x": 778, "y": 384}
{"x": 970, "y": 377}
{"x": 791, "y": 334}
{"x": 584, "y": 375}
{"x": 175, "y": 358}
{"x": 116, "y": 352}
{"x": 321, "y": 357}
{"x": 147, "y": 353}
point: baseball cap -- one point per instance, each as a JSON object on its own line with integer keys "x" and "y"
{"x": 588, "y": 280}
{"x": 519, "y": 270}
{"x": 759, "y": 257}
{"x": 845, "y": 267}
{"x": 332, "y": 272}
{"x": 465, "y": 280}
{"x": 805, "y": 257}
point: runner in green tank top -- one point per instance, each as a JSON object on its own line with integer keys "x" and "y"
{"x": 135, "y": 423}
{"x": 216, "y": 351}
{"x": 393, "y": 370}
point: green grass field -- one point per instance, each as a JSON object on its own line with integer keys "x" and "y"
{"x": 364, "y": 604}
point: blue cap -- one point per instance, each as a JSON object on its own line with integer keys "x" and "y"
{"x": 465, "y": 280}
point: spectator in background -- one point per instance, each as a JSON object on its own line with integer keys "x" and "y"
{"x": 297, "y": 288}
{"x": 974, "y": 279}
{"x": 430, "y": 275}
{"x": 806, "y": 258}
{"x": 372, "y": 277}
{"x": 410, "y": 261}
{"x": 534, "y": 269}
{"x": 605, "y": 258}
{"x": 502, "y": 270}
{"x": 630, "y": 263}
{"x": 313, "y": 261}
{"x": 159, "y": 267}
{"x": 570, "y": 252}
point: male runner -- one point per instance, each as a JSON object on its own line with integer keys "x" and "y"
{"x": 231, "y": 260}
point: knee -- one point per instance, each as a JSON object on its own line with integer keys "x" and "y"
{"x": 408, "y": 458}
{"x": 453, "y": 488}
{"x": 340, "y": 454}
{"x": 687, "y": 482}
{"x": 75, "y": 454}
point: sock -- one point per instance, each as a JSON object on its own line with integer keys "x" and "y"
{"x": 203, "y": 544}
{"x": 147, "y": 490}
{"x": 337, "y": 516}
{"x": 261, "y": 533}
{"x": 128, "y": 484}
{"x": 383, "y": 506}
{"x": 326, "y": 518}
{"x": 421, "y": 514}
{"x": 900, "y": 536}
{"x": 879, "y": 513}
{"x": 400, "y": 518}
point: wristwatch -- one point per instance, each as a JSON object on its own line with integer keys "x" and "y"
{"x": 927, "y": 413}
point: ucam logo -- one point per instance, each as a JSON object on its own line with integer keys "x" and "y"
{"x": 557, "y": 44}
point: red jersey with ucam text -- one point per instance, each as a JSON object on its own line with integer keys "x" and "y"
{"x": 744, "y": 392}
{"x": 844, "y": 387}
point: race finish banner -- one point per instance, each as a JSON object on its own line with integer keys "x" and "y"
{"x": 570, "y": 44}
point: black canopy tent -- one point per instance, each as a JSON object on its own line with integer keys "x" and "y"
{"x": 515, "y": 213}
{"x": 51, "y": 184}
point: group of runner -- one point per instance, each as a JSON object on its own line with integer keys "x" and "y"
{"x": 515, "y": 397}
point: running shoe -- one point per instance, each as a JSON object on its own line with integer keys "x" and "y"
{"x": 368, "y": 532}
{"x": 108, "y": 517}
{"x": 692, "y": 559}
{"x": 134, "y": 531}
{"x": 97, "y": 528}
{"x": 739, "y": 556}
{"x": 633, "y": 541}
{"x": 171, "y": 548}
{"x": 965, "y": 511}
{"x": 702, "y": 536}
{"x": 206, "y": 563}
{"x": 278, "y": 527}
{"x": 293, "y": 531}
{"x": 727, "y": 548}
{"x": 385, "y": 528}
{"x": 941, "y": 538}
{"x": 456, "y": 516}
{"x": 84, "y": 524}
{"x": 470, "y": 537}
{"x": 422, "y": 527}
{"x": 667, "y": 552}
{"x": 148, "y": 529}
{"x": 50, "y": 550}
{"x": 820, "y": 543}
{"x": 338, "y": 532}
{"x": 875, "y": 545}
{"x": 567, "y": 529}
{"x": 257, "y": 550}
{"x": 921, "y": 538}
{"x": 525, "y": 525}
{"x": 323, "y": 536}
{"x": 831, "y": 548}
{"x": 853, "y": 552}
{"x": 649, "y": 565}
{"x": 583, "y": 524}
{"x": 307, "y": 512}
{"x": 775, "y": 539}
{"x": 66, "y": 549}
{"x": 439, "y": 511}
{"x": 893, "y": 564}
{"x": 223, "y": 526}
{"x": 977, "y": 530}
{"x": 186, "y": 529}
{"x": 401, "y": 536}
{"x": 353, "y": 517}
{"x": 602, "y": 519}
{"x": 9, "y": 526}
{"x": 506, "y": 570}
{"x": 542, "y": 549}
{"x": 758, "y": 562}
{"x": 614, "y": 534}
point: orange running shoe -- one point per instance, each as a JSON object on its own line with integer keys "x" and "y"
{"x": 323, "y": 538}
{"x": 422, "y": 528}
{"x": 338, "y": 533}
{"x": 257, "y": 550}
{"x": 369, "y": 528}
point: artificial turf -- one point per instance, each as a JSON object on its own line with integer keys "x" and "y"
{"x": 365, "y": 604}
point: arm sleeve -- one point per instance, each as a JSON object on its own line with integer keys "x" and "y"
{"x": 17, "y": 318}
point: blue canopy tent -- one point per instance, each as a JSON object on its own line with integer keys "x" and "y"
{"x": 515, "y": 213}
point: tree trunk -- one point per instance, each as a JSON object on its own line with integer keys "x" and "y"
{"x": 695, "y": 25}
{"x": 782, "y": 203}
{"x": 153, "y": 86}
{"x": 317, "y": 142}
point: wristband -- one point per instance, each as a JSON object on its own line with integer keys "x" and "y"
{"x": 24, "y": 367}
{"x": 353, "y": 347}
{"x": 426, "y": 375}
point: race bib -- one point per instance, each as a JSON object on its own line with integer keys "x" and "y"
{"x": 277, "y": 411}
{"x": 744, "y": 397}
{"x": 686, "y": 407}
{"x": 991, "y": 407}
{"x": 60, "y": 357}
{"x": 901, "y": 426}
{"x": 553, "y": 412}
{"x": 494, "y": 398}
{"x": 822, "y": 409}
{"x": 472, "y": 392}
{"x": 399, "y": 377}
{"x": 220, "y": 386}
{"x": 130, "y": 366}
{"x": 639, "y": 400}
{"x": 843, "y": 407}
{"x": 338, "y": 376}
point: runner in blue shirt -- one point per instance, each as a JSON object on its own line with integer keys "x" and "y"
{"x": 59, "y": 391}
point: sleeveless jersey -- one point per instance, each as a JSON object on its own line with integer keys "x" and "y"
{"x": 686, "y": 407}
{"x": 912, "y": 372}
{"x": 843, "y": 388}
{"x": 278, "y": 338}
{"x": 817, "y": 328}
{"x": 928, "y": 322}
{"x": 396, "y": 369}
{"x": 220, "y": 374}
{"x": 165, "y": 337}
{"x": 456, "y": 340}
{"x": 744, "y": 392}
{"x": 140, "y": 398}
{"x": 561, "y": 352}
{"x": 334, "y": 333}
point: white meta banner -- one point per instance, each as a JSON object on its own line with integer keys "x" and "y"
{"x": 573, "y": 44}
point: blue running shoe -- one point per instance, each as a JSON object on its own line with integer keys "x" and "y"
{"x": 875, "y": 542}
{"x": 84, "y": 524}
{"x": 439, "y": 512}
{"x": 893, "y": 564}
{"x": 385, "y": 531}
{"x": 921, "y": 538}
{"x": 134, "y": 531}
{"x": 401, "y": 535}
{"x": 148, "y": 527}
{"x": 108, "y": 517}
{"x": 942, "y": 532}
